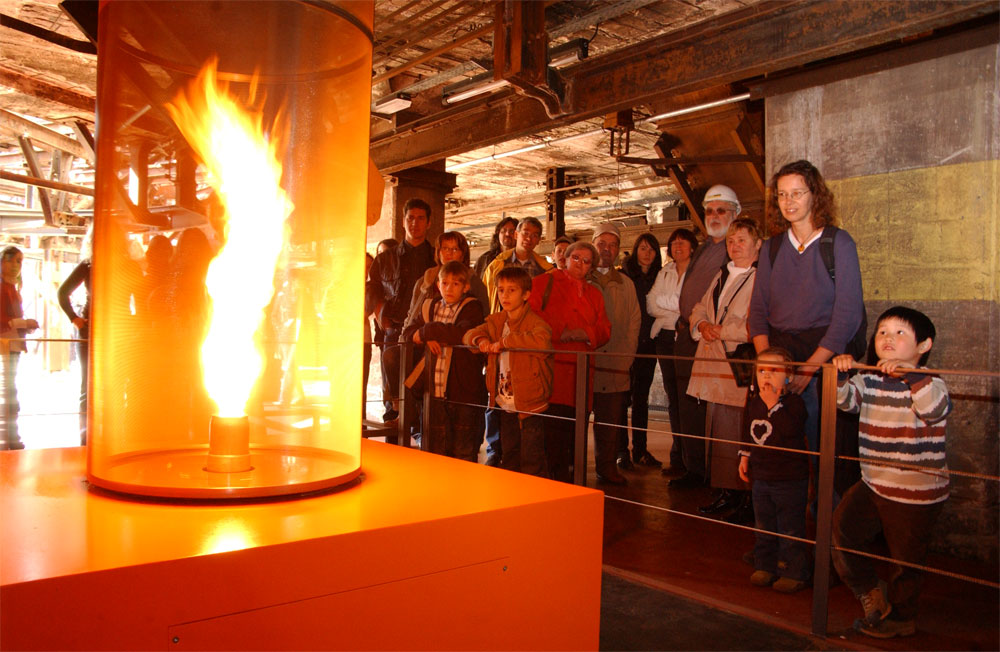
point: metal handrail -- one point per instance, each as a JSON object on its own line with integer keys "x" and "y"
{"x": 826, "y": 454}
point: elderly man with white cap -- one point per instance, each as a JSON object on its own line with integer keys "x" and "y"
{"x": 611, "y": 374}
{"x": 721, "y": 208}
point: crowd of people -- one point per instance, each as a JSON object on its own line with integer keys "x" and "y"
{"x": 739, "y": 325}
{"x": 742, "y": 322}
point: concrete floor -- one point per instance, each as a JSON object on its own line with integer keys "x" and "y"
{"x": 638, "y": 617}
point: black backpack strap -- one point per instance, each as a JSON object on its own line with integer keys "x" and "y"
{"x": 826, "y": 251}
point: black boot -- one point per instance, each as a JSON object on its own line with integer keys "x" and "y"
{"x": 727, "y": 499}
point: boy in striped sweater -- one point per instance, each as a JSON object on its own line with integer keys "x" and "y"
{"x": 904, "y": 474}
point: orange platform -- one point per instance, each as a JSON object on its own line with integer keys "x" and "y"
{"x": 424, "y": 552}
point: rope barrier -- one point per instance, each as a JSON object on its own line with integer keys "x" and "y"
{"x": 900, "y": 465}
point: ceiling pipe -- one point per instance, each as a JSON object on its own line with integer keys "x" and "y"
{"x": 659, "y": 199}
{"x": 596, "y": 132}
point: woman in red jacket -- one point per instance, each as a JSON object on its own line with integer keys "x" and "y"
{"x": 574, "y": 309}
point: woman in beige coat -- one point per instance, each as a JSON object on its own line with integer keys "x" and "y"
{"x": 719, "y": 324}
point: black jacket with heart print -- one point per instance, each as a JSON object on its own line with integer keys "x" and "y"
{"x": 783, "y": 426}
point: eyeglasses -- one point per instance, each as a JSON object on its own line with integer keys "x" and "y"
{"x": 794, "y": 195}
{"x": 530, "y": 235}
{"x": 717, "y": 211}
{"x": 450, "y": 250}
{"x": 577, "y": 258}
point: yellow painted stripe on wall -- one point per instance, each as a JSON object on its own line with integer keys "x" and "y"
{"x": 927, "y": 234}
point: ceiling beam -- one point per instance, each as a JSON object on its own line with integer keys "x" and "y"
{"x": 15, "y": 124}
{"x": 43, "y": 90}
{"x": 28, "y": 149}
{"x": 85, "y": 47}
{"x": 766, "y": 38}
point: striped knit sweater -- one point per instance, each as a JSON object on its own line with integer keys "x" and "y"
{"x": 902, "y": 421}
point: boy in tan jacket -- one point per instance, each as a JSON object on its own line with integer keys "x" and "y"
{"x": 519, "y": 382}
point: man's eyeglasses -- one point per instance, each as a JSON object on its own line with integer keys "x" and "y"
{"x": 717, "y": 211}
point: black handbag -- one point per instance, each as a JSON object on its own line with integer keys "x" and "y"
{"x": 742, "y": 372}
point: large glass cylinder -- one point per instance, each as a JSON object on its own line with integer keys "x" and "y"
{"x": 239, "y": 131}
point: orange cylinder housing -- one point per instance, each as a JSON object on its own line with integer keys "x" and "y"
{"x": 238, "y": 131}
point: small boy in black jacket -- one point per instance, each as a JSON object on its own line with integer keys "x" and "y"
{"x": 779, "y": 479}
{"x": 456, "y": 374}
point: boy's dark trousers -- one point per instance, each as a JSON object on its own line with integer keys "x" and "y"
{"x": 860, "y": 517}
{"x": 456, "y": 430}
{"x": 780, "y": 506}
{"x": 523, "y": 443}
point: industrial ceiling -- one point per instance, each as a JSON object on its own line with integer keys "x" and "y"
{"x": 681, "y": 81}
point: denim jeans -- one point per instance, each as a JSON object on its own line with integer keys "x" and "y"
{"x": 494, "y": 448}
{"x": 390, "y": 367}
{"x": 8, "y": 389}
{"x": 455, "y": 430}
{"x": 780, "y": 506}
{"x": 523, "y": 443}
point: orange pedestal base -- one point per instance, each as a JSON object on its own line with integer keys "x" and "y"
{"x": 424, "y": 553}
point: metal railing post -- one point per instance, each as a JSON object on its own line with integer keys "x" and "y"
{"x": 580, "y": 450}
{"x": 425, "y": 418}
{"x": 405, "y": 402}
{"x": 824, "y": 492}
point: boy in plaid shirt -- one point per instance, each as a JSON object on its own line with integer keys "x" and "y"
{"x": 457, "y": 386}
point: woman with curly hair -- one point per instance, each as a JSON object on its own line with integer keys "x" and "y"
{"x": 807, "y": 297}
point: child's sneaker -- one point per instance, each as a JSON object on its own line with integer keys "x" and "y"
{"x": 887, "y": 628}
{"x": 762, "y": 578}
{"x": 875, "y": 605}
{"x": 788, "y": 585}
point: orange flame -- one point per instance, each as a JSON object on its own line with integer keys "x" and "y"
{"x": 244, "y": 168}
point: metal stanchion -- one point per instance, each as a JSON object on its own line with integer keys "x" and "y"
{"x": 580, "y": 450}
{"x": 405, "y": 402}
{"x": 425, "y": 420}
{"x": 824, "y": 491}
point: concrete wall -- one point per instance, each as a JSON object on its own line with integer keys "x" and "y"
{"x": 912, "y": 157}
